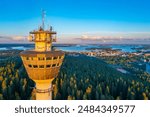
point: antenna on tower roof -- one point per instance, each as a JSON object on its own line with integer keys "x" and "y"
{"x": 43, "y": 18}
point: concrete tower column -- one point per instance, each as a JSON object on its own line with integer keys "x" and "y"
{"x": 44, "y": 91}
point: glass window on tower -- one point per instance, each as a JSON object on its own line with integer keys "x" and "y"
{"x": 41, "y": 58}
{"x": 48, "y": 58}
{"x": 27, "y": 58}
{"x": 30, "y": 65}
{"x": 41, "y": 66}
{"x": 53, "y": 65}
{"x": 55, "y": 58}
{"x": 48, "y": 66}
{"x": 35, "y": 66}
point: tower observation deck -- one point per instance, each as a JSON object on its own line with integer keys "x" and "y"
{"x": 42, "y": 63}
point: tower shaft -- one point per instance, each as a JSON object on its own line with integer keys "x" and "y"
{"x": 44, "y": 91}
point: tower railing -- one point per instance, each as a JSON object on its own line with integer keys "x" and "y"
{"x": 44, "y": 91}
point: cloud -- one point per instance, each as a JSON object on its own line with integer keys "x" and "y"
{"x": 114, "y": 39}
{"x": 18, "y": 38}
{"x": 116, "y": 35}
{"x": 86, "y": 37}
{"x": 103, "y": 35}
{"x": 13, "y": 39}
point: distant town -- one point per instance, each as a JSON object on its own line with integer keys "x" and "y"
{"x": 124, "y": 62}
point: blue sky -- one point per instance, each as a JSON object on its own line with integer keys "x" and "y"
{"x": 77, "y": 21}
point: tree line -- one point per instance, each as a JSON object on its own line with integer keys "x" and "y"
{"x": 80, "y": 78}
{"x": 89, "y": 78}
{"x": 14, "y": 82}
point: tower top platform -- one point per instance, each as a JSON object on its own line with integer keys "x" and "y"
{"x": 41, "y": 30}
{"x": 33, "y": 53}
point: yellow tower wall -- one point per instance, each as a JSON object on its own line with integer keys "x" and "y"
{"x": 44, "y": 89}
{"x": 40, "y": 46}
{"x": 42, "y": 64}
{"x": 42, "y": 68}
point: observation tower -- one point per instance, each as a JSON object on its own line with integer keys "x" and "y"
{"x": 42, "y": 63}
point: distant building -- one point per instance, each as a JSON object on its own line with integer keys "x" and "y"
{"x": 147, "y": 53}
{"x": 122, "y": 70}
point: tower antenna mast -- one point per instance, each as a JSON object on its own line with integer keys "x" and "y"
{"x": 43, "y": 19}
